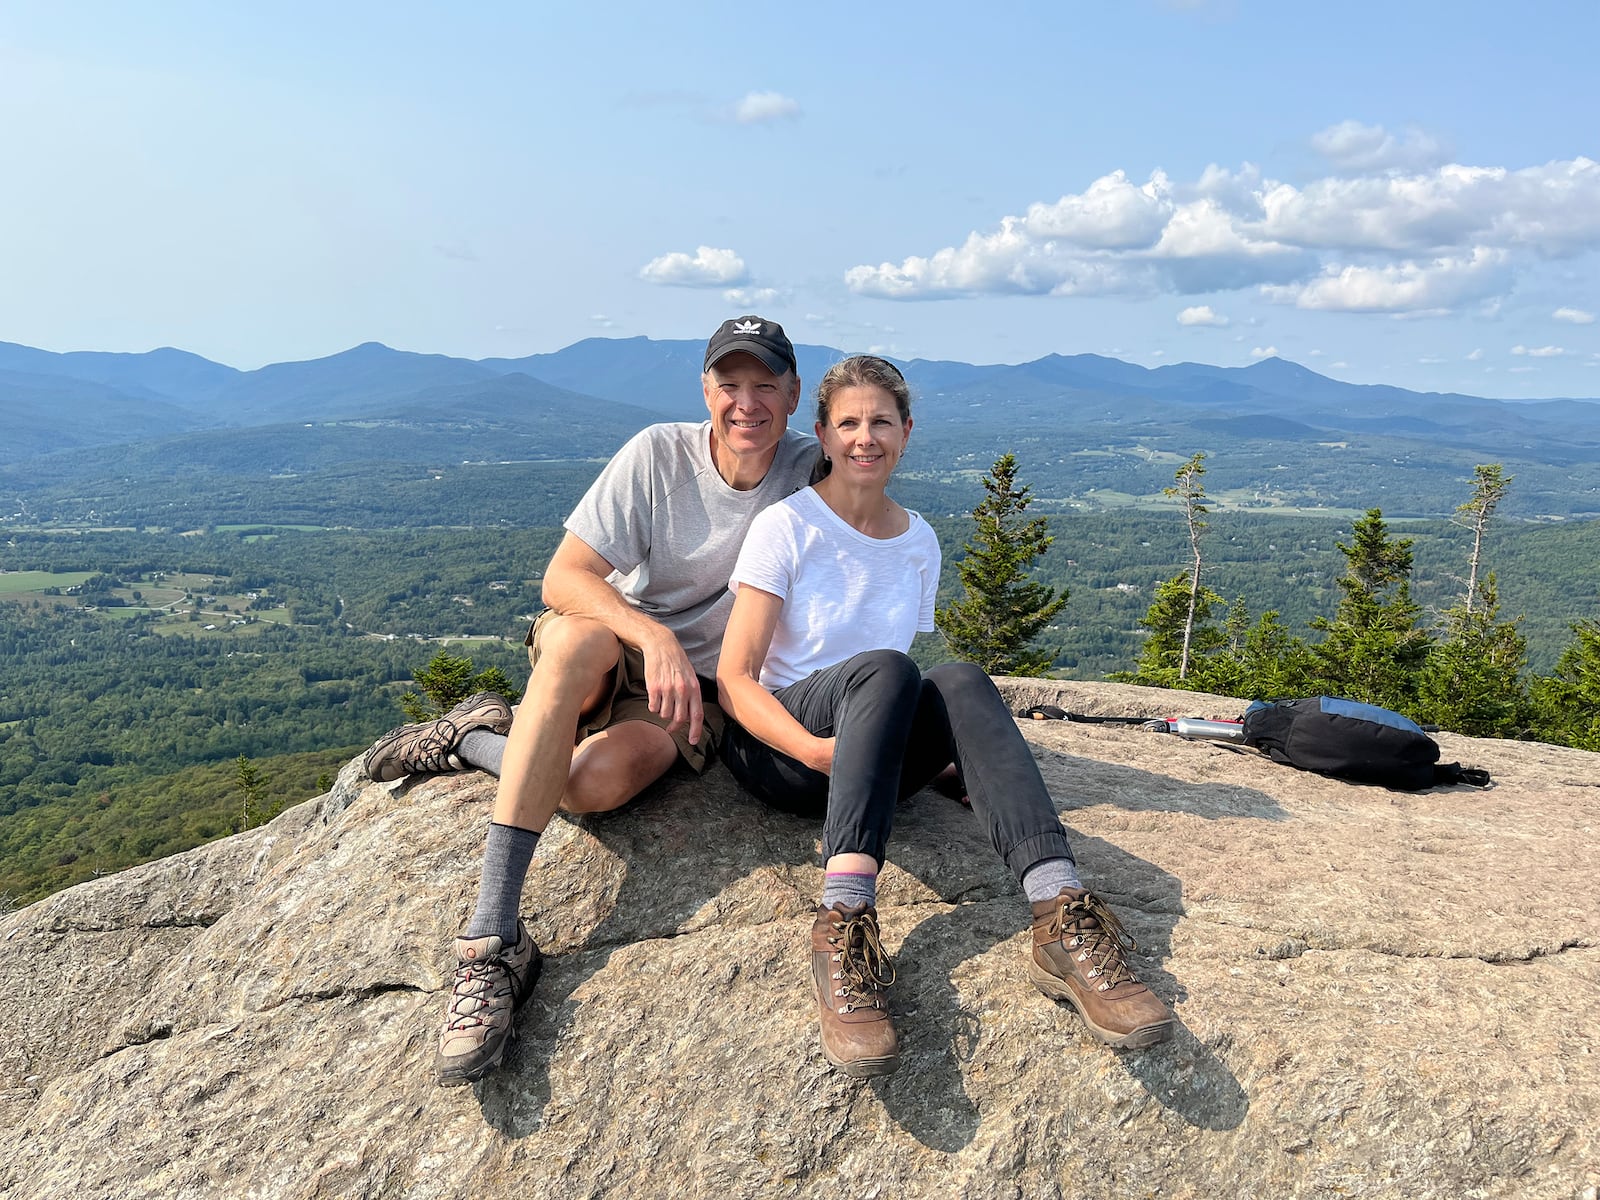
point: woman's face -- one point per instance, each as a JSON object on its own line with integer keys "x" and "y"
{"x": 863, "y": 435}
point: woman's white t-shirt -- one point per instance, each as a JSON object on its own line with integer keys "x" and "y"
{"x": 843, "y": 592}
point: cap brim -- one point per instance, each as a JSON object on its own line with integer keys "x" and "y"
{"x": 769, "y": 357}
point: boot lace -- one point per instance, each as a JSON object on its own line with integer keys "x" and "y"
{"x": 1094, "y": 927}
{"x": 865, "y": 970}
{"x": 431, "y": 748}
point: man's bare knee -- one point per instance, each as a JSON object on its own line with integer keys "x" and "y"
{"x": 576, "y": 646}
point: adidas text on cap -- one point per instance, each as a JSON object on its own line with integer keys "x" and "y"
{"x": 752, "y": 335}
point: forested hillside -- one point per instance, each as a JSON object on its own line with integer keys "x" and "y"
{"x": 136, "y": 668}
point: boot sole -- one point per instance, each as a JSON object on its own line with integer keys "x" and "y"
{"x": 1141, "y": 1038}
{"x": 864, "y": 1068}
{"x": 454, "y": 1075}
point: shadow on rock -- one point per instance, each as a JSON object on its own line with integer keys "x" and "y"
{"x": 1075, "y": 781}
{"x": 1183, "y": 1075}
{"x": 678, "y": 849}
{"x": 927, "y": 1096}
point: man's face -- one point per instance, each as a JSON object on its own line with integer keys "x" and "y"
{"x": 750, "y": 406}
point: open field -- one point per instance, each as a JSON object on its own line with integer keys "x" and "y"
{"x": 16, "y": 583}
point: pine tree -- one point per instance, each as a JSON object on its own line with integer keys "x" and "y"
{"x": 1264, "y": 661}
{"x": 1002, "y": 609}
{"x": 1566, "y": 705}
{"x": 447, "y": 680}
{"x": 1472, "y": 681}
{"x": 1373, "y": 649}
{"x": 252, "y": 784}
{"x": 1489, "y": 484}
{"x": 1178, "y": 624}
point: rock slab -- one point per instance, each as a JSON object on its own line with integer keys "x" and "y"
{"x": 1379, "y": 994}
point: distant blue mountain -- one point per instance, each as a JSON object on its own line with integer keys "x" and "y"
{"x": 52, "y": 402}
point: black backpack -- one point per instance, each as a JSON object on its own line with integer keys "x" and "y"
{"x": 1350, "y": 740}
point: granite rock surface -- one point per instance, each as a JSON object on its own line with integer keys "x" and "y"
{"x": 1378, "y": 994}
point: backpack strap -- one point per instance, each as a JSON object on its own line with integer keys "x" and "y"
{"x": 1451, "y": 773}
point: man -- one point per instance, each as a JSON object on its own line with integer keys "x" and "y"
{"x": 638, "y": 597}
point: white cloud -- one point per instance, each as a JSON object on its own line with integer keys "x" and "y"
{"x": 1111, "y": 214}
{"x": 1264, "y": 352}
{"x": 1476, "y": 355}
{"x": 1428, "y": 360}
{"x": 603, "y": 321}
{"x": 1201, "y": 314}
{"x": 756, "y": 107}
{"x": 1314, "y": 353}
{"x": 1378, "y": 240}
{"x": 1521, "y": 370}
{"x": 1350, "y": 145}
{"x": 1400, "y": 287}
{"x": 708, "y": 267}
{"x": 1573, "y": 316}
{"x": 1539, "y": 351}
{"x": 751, "y": 297}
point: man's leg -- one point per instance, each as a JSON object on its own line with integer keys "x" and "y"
{"x": 613, "y": 766}
{"x": 496, "y": 961}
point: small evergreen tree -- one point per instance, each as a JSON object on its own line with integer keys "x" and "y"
{"x": 1178, "y": 624}
{"x": 1472, "y": 681}
{"x": 252, "y": 784}
{"x": 1002, "y": 610}
{"x": 1373, "y": 649}
{"x": 1566, "y": 705}
{"x": 447, "y": 680}
{"x": 1264, "y": 661}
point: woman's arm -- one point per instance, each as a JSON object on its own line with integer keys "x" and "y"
{"x": 739, "y": 690}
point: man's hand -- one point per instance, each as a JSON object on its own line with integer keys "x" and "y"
{"x": 672, "y": 685}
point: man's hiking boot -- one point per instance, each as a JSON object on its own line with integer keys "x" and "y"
{"x": 490, "y": 984}
{"x": 431, "y": 746}
{"x": 850, "y": 976}
{"x": 1080, "y": 956}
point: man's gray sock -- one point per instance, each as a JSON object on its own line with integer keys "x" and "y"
{"x": 849, "y": 889}
{"x": 1044, "y": 880}
{"x": 484, "y": 749}
{"x": 505, "y": 865}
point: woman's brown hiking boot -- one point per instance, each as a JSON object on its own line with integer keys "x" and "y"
{"x": 850, "y": 975}
{"x": 1080, "y": 956}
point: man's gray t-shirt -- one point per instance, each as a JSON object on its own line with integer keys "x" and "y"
{"x": 672, "y": 527}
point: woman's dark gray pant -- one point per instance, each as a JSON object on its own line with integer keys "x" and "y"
{"x": 895, "y": 728}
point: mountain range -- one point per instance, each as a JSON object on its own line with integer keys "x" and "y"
{"x": 1084, "y": 425}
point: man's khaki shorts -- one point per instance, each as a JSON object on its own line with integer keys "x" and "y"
{"x": 630, "y": 701}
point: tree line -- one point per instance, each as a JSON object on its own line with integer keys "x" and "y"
{"x": 1463, "y": 669}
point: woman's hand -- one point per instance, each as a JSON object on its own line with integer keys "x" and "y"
{"x": 821, "y": 756}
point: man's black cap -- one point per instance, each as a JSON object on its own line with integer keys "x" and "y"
{"x": 753, "y": 335}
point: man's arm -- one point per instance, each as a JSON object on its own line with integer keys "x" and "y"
{"x": 575, "y": 586}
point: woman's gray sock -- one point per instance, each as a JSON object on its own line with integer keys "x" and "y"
{"x": 849, "y": 889}
{"x": 506, "y": 856}
{"x": 1044, "y": 880}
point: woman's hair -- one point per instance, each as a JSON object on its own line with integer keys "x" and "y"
{"x": 859, "y": 370}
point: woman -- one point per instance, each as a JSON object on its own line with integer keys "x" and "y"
{"x": 833, "y": 718}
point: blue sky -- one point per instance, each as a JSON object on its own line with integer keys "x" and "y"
{"x": 1403, "y": 193}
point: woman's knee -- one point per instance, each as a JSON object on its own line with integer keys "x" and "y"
{"x": 884, "y": 669}
{"x": 964, "y": 681}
